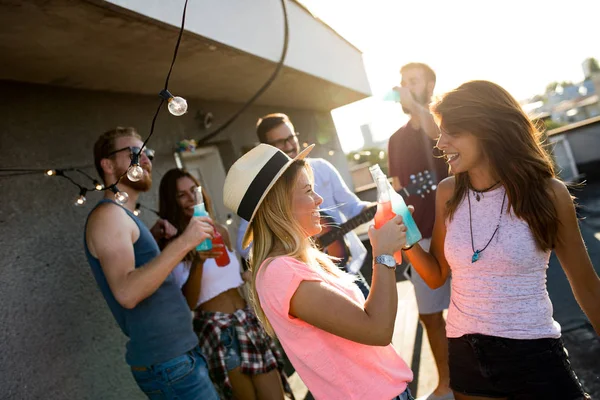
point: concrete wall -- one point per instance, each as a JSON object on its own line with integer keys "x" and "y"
{"x": 57, "y": 337}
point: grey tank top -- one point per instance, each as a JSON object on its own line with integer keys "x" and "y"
{"x": 503, "y": 293}
{"x": 159, "y": 328}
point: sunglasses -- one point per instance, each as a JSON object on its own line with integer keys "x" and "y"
{"x": 134, "y": 150}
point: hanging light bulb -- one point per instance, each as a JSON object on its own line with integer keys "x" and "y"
{"x": 120, "y": 197}
{"x": 229, "y": 220}
{"x": 50, "y": 172}
{"x": 357, "y": 156}
{"x": 98, "y": 185}
{"x": 331, "y": 152}
{"x": 137, "y": 210}
{"x": 81, "y": 199}
{"x": 381, "y": 155}
{"x": 177, "y": 105}
{"x": 135, "y": 173}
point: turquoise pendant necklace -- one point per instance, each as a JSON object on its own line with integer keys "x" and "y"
{"x": 477, "y": 253}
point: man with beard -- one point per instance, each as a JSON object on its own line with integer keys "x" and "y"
{"x": 136, "y": 282}
{"x": 410, "y": 151}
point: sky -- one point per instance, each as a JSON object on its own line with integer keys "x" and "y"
{"x": 521, "y": 45}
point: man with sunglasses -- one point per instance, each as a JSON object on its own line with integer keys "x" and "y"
{"x": 135, "y": 277}
{"x": 339, "y": 201}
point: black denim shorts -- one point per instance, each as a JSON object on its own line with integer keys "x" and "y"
{"x": 491, "y": 366}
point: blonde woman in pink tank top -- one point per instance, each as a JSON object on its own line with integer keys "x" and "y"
{"x": 497, "y": 220}
{"x": 338, "y": 342}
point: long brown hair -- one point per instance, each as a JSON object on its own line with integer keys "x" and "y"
{"x": 169, "y": 209}
{"x": 512, "y": 144}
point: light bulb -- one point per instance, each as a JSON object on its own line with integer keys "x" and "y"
{"x": 81, "y": 199}
{"x": 135, "y": 173}
{"x": 331, "y": 152}
{"x": 136, "y": 212}
{"x": 381, "y": 155}
{"x": 51, "y": 172}
{"x": 177, "y": 106}
{"x": 121, "y": 197}
{"x": 229, "y": 220}
{"x": 98, "y": 185}
{"x": 305, "y": 145}
{"x": 357, "y": 156}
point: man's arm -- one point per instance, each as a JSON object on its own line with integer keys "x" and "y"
{"x": 427, "y": 122}
{"x": 110, "y": 237}
{"x": 420, "y": 112}
{"x": 349, "y": 202}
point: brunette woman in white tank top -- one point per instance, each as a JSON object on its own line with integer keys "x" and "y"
{"x": 497, "y": 220}
{"x": 244, "y": 362}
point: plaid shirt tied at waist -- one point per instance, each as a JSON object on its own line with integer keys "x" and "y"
{"x": 259, "y": 353}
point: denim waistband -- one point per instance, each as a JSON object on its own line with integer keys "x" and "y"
{"x": 404, "y": 395}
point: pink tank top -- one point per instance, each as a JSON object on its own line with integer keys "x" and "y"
{"x": 504, "y": 292}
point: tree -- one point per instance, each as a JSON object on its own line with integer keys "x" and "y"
{"x": 551, "y": 87}
{"x": 594, "y": 66}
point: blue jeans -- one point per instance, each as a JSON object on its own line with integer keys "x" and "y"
{"x": 182, "y": 378}
{"x": 406, "y": 395}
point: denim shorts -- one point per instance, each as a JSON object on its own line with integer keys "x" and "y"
{"x": 230, "y": 340}
{"x": 491, "y": 366}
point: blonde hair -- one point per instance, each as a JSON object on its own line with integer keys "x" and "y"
{"x": 277, "y": 233}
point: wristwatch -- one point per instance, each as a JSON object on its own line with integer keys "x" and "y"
{"x": 387, "y": 260}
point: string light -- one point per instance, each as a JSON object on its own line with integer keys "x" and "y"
{"x": 120, "y": 197}
{"x": 137, "y": 210}
{"x": 229, "y": 219}
{"x": 381, "y": 155}
{"x": 135, "y": 173}
{"x": 176, "y": 105}
{"x": 357, "y": 156}
{"x": 331, "y": 152}
{"x": 81, "y": 199}
{"x": 305, "y": 145}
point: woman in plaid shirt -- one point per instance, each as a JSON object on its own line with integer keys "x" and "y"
{"x": 244, "y": 362}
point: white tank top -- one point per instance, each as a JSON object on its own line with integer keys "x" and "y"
{"x": 503, "y": 293}
{"x": 215, "y": 279}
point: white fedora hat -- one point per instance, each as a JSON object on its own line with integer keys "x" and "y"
{"x": 250, "y": 179}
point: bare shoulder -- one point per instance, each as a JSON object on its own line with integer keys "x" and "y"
{"x": 560, "y": 193}
{"x": 104, "y": 215}
{"x": 108, "y": 221}
{"x": 446, "y": 187}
